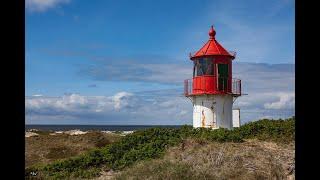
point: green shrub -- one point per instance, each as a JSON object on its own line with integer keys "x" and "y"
{"x": 273, "y": 130}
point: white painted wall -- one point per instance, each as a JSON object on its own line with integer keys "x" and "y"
{"x": 236, "y": 117}
{"x": 213, "y": 111}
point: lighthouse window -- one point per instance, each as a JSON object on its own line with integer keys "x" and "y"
{"x": 203, "y": 67}
{"x": 209, "y": 68}
{"x": 197, "y": 70}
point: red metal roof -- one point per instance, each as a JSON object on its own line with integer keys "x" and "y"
{"x": 212, "y": 48}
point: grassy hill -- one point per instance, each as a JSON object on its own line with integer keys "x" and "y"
{"x": 46, "y": 148}
{"x": 152, "y": 147}
{"x": 192, "y": 159}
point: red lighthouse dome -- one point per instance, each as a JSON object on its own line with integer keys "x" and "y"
{"x": 212, "y": 48}
{"x": 212, "y": 70}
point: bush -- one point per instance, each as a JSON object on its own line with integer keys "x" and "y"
{"x": 272, "y": 130}
{"x": 151, "y": 143}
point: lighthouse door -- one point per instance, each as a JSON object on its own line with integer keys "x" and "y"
{"x": 223, "y": 72}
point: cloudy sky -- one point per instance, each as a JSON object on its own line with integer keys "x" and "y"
{"x": 124, "y": 62}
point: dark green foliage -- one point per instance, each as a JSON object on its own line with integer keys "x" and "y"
{"x": 151, "y": 143}
{"x": 272, "y": 130}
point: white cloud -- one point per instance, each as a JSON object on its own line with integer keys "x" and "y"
{"x": 43, "y": 5}
{"x": 66, "y": 103}
{"x": 121, "y": 108}
{"x": 37, "y": 95}
{"x": 121, "y": 99}
{"x": 286, "y": 101}
{"x": 183, "y": 112}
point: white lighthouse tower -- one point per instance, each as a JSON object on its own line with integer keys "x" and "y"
{"x": 212, "y": 88}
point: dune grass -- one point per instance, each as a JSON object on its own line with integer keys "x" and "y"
{"x": 193, "y": 159}
{"x": 45, "y": 148}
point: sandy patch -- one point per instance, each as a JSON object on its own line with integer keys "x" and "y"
{"x": 108, "y": 132}
{"x": 30, "y": 134}
{"x": 75, "y": 132}
{"x": 123, "y": 133}
{"x": 127, "y": 132}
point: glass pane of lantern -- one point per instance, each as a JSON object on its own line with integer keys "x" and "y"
{"x": 223, "y": 70}
{"x": 203, "y": 64}
{"x": 209, "y": 64}
{"x": 223, "y": 76}
{"x": 199, "y": 67}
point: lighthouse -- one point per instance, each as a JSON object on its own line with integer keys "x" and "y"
{"x": 212, "y": 88}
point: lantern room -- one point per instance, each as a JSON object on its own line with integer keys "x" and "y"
{"x": 212, "y": 70}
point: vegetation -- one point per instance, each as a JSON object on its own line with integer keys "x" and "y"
{"x": 45, "y": 148}
{"x": 152, "y": 143}
{"x": 159, "y": 169}
{"x": 194, "y": 160}
{"x": 269, "y": 130}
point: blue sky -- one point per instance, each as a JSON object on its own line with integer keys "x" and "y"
{"x": 84, "y": 56}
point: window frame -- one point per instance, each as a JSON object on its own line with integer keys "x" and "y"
{"x": 209, "y": 62}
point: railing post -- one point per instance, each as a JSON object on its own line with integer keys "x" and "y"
{"x": 232, "y": 86}
{"x": 190, "y": 86}
{"x": 237, "y": 87}
{"x": 186, "y": 84}
{"x": 185, "y": 87}
{"x": 240, "y": 86}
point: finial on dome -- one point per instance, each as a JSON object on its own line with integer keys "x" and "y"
{"x": 212, "y": 33}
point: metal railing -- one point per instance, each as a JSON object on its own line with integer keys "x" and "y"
{"x": 219, "y": 85}
{"x": 236, "y": 86}
{"x": 187, "y": 87}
